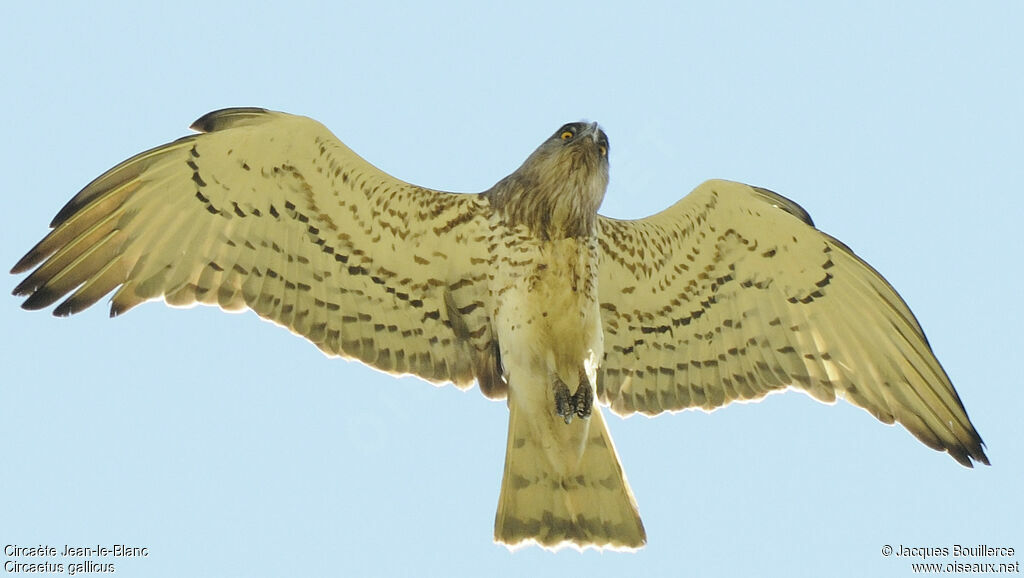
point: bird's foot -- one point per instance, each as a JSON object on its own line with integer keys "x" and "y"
{"x": 565, "y": 405}
{"x": 579, "y": 404}
{"x": 583, "y": 400}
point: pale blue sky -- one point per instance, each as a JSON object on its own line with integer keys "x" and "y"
{"x": 230, "y": 448}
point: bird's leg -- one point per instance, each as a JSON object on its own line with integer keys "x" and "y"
{"x": 579, "y": 404}
{"x": 583, "y": 399}
{"x": 565, "y": 404}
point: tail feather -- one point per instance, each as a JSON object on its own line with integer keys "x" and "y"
{"x": 563, "y": 485}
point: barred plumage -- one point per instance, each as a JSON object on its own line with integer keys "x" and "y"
{"x": 727, "y": 295}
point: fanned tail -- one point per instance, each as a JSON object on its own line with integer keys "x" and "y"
{"x": 563, "y": 485}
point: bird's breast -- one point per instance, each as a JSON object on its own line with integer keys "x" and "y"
{"x": 546, "y": 309}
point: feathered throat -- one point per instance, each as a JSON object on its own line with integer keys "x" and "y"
{"x": 555, "y": 196}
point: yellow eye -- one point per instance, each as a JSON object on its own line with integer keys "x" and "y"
{"x": 567, "y": 134}
{"x": 603, "y": 149}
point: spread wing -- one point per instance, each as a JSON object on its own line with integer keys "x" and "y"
{"x": 731, "y": 294}
{"x": 270, "y": 211}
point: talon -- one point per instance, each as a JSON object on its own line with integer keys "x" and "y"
{"x": 565, "y": 404}
{"x": 583, "y": 400}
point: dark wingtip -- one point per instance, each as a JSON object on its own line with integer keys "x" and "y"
{"x": 788, "y": 205}
{"x": 21, "y": 266}
{"x": 31, "y": 259}
{"x": 25, "y": 288}
{"x": 117, "y": 309}
{"x": 979, "y": 455}
{"x": 227, "y": 117}
{"x": 65, "y": 212}
{"x": 65, "y": 309}
{"x": 971, "y": 453}
{"x": 40, "y": 299}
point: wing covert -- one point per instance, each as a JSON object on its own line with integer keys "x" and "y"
{"x": 732, "y": 294}
{"x": 269, "y": 211}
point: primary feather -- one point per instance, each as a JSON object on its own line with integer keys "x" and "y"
{"x": 270, "y": 211}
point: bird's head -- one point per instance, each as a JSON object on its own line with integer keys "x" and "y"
{"x": 558, "y": 189}
{"x": 576, "y": 154}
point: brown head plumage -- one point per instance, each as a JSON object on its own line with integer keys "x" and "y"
{"x": 558, "y": 189}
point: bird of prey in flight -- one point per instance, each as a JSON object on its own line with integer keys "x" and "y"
{"x": 524, "y": 289}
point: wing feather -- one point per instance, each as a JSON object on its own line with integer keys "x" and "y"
{"x": 732, "y": 294}
{"x": 271, "y": 212}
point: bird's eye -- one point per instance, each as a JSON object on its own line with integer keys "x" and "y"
{"x": 603, "y": 149}
{"x": 567, "y": 134}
